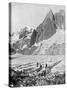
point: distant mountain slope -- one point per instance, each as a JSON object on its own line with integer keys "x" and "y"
{"x": 56, "y": 49}
{"x": 53, "y": 46}
{"x": 20, "y": 43}
{"x": 24, "y": 32}
{"x": 60, "y": 19}
{"x": 22, "y": 38}
{"x": 27, "y": 51}
{"x": 58, "y": 38}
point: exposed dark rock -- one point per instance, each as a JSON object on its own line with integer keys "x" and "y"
{"x": 60, "y": 19}
{"x": 33, "y": 38}
{"x": 47, "y": 28}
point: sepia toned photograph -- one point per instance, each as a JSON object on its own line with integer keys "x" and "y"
{"x": 36, "y": 44}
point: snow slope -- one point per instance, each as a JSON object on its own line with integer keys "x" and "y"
{"x": 58, "y": 38}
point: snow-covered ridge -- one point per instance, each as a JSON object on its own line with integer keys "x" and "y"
{"x": 15, "y": 37}
{"x": 16, "y": 34}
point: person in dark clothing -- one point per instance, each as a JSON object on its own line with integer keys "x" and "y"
{"x": 46, "y": 65}
{"x": 40, "y": 66}
{"x": 37, "y": 64}
{"x": 44, "y": 72}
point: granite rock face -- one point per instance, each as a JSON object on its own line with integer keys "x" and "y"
{"x": 60, "y": 19}
{"x": 33, "y": 38}
{"x": 47, "y": 28}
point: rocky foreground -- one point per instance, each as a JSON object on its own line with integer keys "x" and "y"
{"x": 37, "y": 73}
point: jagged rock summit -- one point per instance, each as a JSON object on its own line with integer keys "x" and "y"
{"x": 47, "y": 28}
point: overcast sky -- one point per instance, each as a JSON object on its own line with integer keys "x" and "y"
{"x": 30, "y": 14}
